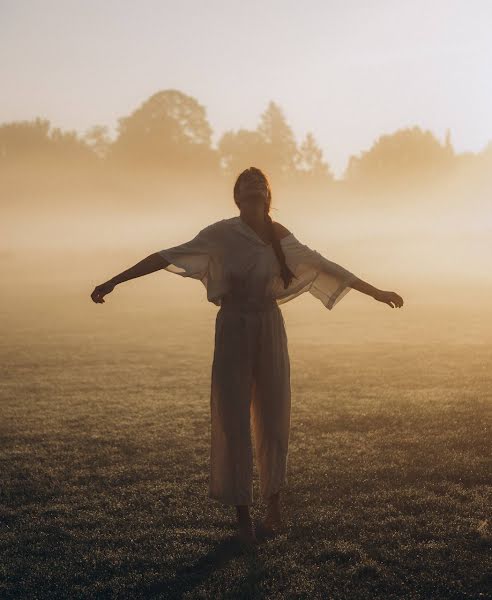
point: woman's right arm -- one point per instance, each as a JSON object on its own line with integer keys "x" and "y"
{"x": 390, "y": 298}
{"x": 153, "y": 262}
{"x": 150, "y": 264}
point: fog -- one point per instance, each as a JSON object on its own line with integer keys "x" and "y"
{"x": 431, "y": 246}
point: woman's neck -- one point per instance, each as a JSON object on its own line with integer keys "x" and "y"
{"x": 257, "y": 221}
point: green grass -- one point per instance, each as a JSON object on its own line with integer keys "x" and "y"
{"x": 104, "y": 470}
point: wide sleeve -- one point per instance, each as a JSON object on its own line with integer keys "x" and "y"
{"x": 324, "y": 279}
{"x": 191, "y": 259}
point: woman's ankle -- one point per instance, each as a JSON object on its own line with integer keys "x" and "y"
{"x": 242, "y": 512}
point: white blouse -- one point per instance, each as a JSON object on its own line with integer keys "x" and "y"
{"x": 229, "y": 257}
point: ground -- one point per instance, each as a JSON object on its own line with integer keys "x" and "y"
{"x": 105, "y": 448}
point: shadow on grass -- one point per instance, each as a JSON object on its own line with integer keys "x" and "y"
{"x": 191, "y": 576}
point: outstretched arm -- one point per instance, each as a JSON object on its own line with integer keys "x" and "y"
{"x": 153, "y": 262}
{"x": 299, "y": 253}
{"x": 390, "y": 298}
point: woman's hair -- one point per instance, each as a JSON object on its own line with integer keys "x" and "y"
{"x": 255, "y": 173}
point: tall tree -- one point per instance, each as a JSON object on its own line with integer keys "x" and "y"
{"x": 310, "y": 161}
{"x": 169, "y": 130}
{"x": 280, "y": 148}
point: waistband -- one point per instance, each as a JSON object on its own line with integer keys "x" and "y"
{"x": 248, "y": 304}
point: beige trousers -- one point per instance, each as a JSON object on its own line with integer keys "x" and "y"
{"x": 250, "y": 394}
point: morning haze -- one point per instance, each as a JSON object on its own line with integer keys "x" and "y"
{"x": 410, "y": 209}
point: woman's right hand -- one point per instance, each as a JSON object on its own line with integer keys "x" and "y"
{"x": 390, "y": 298}
{"x": 101, "y": 290}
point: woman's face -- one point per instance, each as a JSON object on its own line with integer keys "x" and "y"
{"x": 253, "y": 194}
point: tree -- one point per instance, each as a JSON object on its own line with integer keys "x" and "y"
{"x": 280, "y": 148}
{"x": 35, "y": 141}
{"x": 97, "y": 138}
{"x": 271, "y": 147}
{"x": 169, "y": 130}
{"x": 310, "y": 161}
{"x": 240, "y": 150}
{"x": 404, "y": 155}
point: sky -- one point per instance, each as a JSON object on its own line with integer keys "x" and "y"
{"x": 348, "y": 71}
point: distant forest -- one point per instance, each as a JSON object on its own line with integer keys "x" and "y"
{"x": 169, "y": 135}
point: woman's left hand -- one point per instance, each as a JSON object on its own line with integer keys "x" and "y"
{"x": 390, "y": 298}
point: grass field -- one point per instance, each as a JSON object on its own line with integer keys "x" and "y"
{"x": 105, "y": 449}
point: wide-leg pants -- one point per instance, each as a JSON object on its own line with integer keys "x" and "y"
{"x": 250, "y": 394}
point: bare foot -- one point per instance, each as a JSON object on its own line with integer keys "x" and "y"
{"x": 272, "y": 522}
{"x": 246, "y": 529}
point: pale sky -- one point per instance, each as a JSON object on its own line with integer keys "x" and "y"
{"x": 347, "y": 70}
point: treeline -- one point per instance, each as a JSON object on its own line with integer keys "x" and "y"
{"x": 169, "y": 134}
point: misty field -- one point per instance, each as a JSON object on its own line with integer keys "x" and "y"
{"x": 105, "y": 449}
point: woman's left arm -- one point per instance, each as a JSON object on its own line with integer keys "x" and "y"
{"x": 390, "y": 298}
{"x": 299, "y": 254}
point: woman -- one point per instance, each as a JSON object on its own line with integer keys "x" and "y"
{"x": 249, "y": 265}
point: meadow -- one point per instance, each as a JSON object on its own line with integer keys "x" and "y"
{"x": 105, "y": 449}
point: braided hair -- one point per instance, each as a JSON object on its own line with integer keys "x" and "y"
{"x": 285, "y": 272}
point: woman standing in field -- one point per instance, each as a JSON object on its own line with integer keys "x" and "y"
{"x": 249, "y": 265}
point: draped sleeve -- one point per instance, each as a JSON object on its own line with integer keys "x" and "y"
{"x": 201, "y": 259}
{"x": 324, "y": 279}
{"x": 191, "y": 259}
